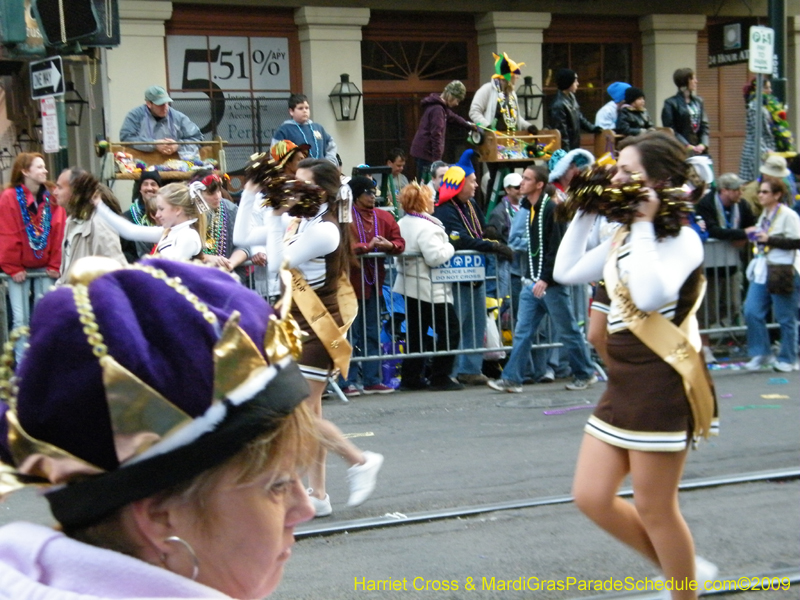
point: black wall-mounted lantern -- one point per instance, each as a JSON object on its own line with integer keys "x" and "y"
{"x": 530, "y": 96}
{"x": 345, "y": 98}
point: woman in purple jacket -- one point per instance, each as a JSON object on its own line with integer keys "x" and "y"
{"x": 428, "y": 144}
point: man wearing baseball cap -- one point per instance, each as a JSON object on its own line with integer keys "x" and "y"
{"x": 156, "y": 121}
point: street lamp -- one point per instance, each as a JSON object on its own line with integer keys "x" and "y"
{"x": 530, "y": 96}
{"x": 345, "y": 98}
{"x": 73, "y": 106}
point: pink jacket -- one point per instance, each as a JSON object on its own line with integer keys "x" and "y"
{"x": 39, "y": 563}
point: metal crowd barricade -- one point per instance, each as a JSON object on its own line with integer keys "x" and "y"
{"x": 721, "y": 315}
{"x": 391, "y": 321}
{"x": 4, "y": 315}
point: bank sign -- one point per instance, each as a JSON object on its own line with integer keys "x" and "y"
{"x": 232, "y": 86}
{"x": 727, "y": 42}
{"x": 467, "y": 267}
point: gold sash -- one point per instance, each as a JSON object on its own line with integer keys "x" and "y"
{"x": 678, "y": 346}
{"x": 333, "y": 337}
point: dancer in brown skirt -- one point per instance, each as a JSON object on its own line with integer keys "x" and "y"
{"x": 317, "y": 250}
{"x": 659, "y": 396}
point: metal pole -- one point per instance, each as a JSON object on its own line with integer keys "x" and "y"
{"x": 759, "y": 104}
{"x": 777, "y": 21}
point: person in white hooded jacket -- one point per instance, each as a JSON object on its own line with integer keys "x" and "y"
{"x": 428, "y": 304}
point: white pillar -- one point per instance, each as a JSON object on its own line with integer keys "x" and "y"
{"x": 330, "y": 44}
{"x": 669, "y": 42}
{"x": 518, "y": 34}
{"x": 139, "y": 61}
{"x": 793, "y": 75}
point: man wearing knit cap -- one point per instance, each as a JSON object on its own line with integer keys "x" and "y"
{"x": 565, "y": 113}
{"x": 428, "y": 144}
{"x": 463, "y": 221}
{"x": 606, "y": 117}
{"x": 142, "y": 212}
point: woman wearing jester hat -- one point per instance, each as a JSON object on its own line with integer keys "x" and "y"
{"x": 495, "y": 103}
{"x": 159, "y": 408}
{"x": 304, "y": 229}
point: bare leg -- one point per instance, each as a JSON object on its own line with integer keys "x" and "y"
{"x": 332, "y": 439}
{"x": 600, "y": 470}
{"x": 655, "y": 477}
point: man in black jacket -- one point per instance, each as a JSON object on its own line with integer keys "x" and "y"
{"x": 727, "y": 216}
{"x": 463, "y": 221}
{"x": 565, "y": 113}
{"x": 536, "y": 233}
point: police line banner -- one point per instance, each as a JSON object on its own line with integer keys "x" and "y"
{"x": 467, "y": 267}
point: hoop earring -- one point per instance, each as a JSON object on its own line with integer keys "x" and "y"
{"x": 190, "y": 550}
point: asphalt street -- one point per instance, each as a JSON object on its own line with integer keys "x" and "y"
{"x": 479, "y": 447}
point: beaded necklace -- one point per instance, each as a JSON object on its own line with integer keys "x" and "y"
{"x": 508, "y": 108}
{"x": 475, "y": 230}
{"x": 139, "y": 215}
{"x": 426, "y": 217}
{"x": 536, "y": 274}
{"x": 305, "y": 139}
{"x": 37, "y": 236}
{"x": 217, "y": 233}
{"x": 362, "y": 237}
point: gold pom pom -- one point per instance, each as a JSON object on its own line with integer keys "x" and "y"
{"x": 87, "y": 269}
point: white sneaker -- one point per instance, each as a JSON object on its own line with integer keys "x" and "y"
{"x": 708, "y": 355}
{"x": 704, "y": 570}
{"x": 362, "y": 478}
{"x": 783, "y": 367}
{"x": 322, "y": 508}
{"x": 757, "y": 362}
{"x": 503, "y": 385}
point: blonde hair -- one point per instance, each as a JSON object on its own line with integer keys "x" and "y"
{"x": 177, "y": 194}
{"x": 292, "y": 446}
{"x": 416, "y": 198}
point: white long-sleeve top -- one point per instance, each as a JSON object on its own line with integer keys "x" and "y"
{"x": 305, "y": 249}
{"x": 653, "y": 270}
{"x": 181, "y": 242}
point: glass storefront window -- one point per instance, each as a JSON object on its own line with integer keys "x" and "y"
{"x": 597, "y": 65}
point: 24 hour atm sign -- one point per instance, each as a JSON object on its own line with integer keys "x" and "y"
{"x": 462, "y": 267}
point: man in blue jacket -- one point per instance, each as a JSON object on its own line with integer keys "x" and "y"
{"x": 156, "y": 121}
{"x": 463, "y": 221}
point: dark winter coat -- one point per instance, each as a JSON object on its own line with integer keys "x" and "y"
{"x": 631, "y": 121}
{"x": 675, "y": 114}
{"x": 428, "y": 142}
{"x": 566, "y": 116}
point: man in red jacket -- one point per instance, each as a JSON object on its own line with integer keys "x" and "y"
{"x": 31, "y": 230}
{"x": 373, "y": 230}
